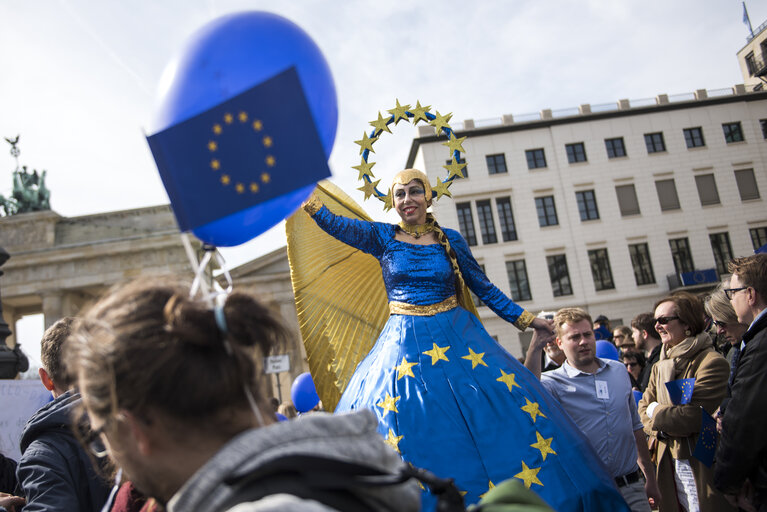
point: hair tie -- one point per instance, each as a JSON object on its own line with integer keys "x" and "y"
{"x": 218, "y": 313}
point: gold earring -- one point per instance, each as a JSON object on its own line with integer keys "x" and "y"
{"x": 687, "y": 332}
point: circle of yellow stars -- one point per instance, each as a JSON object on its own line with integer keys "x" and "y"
{"x": 405, "y": 113}
{"x": 242, "y": 118}
{"x": 528, "y": 475}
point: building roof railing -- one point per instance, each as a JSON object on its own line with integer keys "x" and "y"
{"x": 756, "y": 32}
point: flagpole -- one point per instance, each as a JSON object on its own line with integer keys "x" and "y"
{"x": 747, "y": 19}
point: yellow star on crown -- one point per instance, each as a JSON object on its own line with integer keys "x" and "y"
{"x": 490, "y": 486}
{"x": 387, "y": 201}
{"x": 369, "y": 188}
{"x": 437, "y": 353}
{"x": 215, "y": 164}
{"x": 454, "y": 169}
{"x": 544, "y": 445}
{"x": 440, "y": 121}
{"x": 217, "y": 129}
{"x": 404, "y": 369}
{"x": 388, "y": 404}
{"x": 265, "y": 177}
{"x": 240, "y": 188}
{"x": 242, "y": 116}
{"x": 258, "y": 125}
{"x": 269, "y": 160}
{"x": 364, "y": 169}
{"x": 455, "y": 143}
{"x": 419, "y": 112}
{"x": 225, "y": 179}
{"x": 441, "y": 188}
{"x": 253, "y": 187}
{"x": 268, "y": 142}
{"x": 393, "y": 440}
{"x": 228, "y": 118}
{"x": 475, "y": 358}
{"x": 529, "y": 476}
{"x": 366, "y": 143}
{"x": 212, "y": 146}
{"x": 399, "y": 112}
{"x": 533, "y": 409}
{"x": 380, "y": 124}
{"x": 508, "y": 379}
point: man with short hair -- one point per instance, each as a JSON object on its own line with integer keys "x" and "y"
{"x": 54, "y": 471}
{"x": 602, "y": 328}
{"x": 741, "y": 457}
{"x": 646, "y": 339}
{"x": 597, "y": 395}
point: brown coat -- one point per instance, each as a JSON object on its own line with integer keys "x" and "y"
{"x": 682, "y": 424}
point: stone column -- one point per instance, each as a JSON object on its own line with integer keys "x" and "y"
{"x": 4, "y": 330}
{"x": 53, "y": 306}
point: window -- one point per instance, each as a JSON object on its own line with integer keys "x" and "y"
{"x": 547, "y": 212}
{"x": 600, "y": 269}
{"x": 751, "y": 63}
{"x": 627, "y": 200}
{"x": 560, "y": 277}
{"x": 640, "y": 260}
{"x": 758, "y": 237}
{"x": 466, "y": 223}
{"x": 536, "y": 158}
{"x": 654, "y": 142}
{"x": 477, "y": 301}
{"x": 576, "y": 152}
{"x": 506, "y": 217}
{"x": 615, "y": 147}
{"x": 763, "y": 124}
{"x": 465, "y": 170}
{"x": 694, "y": 137}
{"x": 486, "y": 223}
{"x": 518, "y": 283}
{"x": 707, "y": 191}
{"x": 720, "y": 244}
{"x": 587, "y": 205}
{"x": 746, "y": 184}
{"x": 496, "y": 164}
{"x": 669, "y": 200}
{"x": 732, "y": 132}
{"x": 680, "y": 253}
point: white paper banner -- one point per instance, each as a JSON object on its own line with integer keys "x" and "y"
{"x": 19, "y": 399}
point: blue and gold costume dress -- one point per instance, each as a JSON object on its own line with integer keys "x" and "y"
{"x": 447, "y": 396}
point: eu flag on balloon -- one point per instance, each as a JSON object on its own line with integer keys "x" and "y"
{"x": 680, "y": 391}
{"x": 252, "y": 148}
{"x": 706, "y": 445}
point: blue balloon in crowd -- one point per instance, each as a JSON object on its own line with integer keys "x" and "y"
{"x": 606, "y": 350}
{"x": 226, "y": 57}
{"x": 303, "y": 393}
{"x": 637, "y": 396}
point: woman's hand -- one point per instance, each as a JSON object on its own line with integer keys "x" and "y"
{"x": 10, "y": 502}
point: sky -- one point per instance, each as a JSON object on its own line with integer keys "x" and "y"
{"x": 80, "y": 77}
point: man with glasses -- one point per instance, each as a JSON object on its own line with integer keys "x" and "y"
{"x": 741, "y": 457}
{"x": 54, "y": 471}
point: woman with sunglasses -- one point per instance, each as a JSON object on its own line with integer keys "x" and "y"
{"x": 719, "y": 309}
{"x": 687, "y": 353}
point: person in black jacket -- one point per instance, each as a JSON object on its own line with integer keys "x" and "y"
{"x": 741, "y": 458}
{"x": 54, "y": 471}
{"x": 647, "y": 340}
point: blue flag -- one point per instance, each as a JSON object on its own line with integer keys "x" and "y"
{"x": 706, "y": 445}
{"x": 680, "y": 391}
{"x": 252, "y": 148}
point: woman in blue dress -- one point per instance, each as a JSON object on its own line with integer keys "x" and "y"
{"x": 448, "y": 397}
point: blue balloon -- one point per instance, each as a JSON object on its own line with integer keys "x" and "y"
{"x": 303, "y": 393}
{"x": 226, "y": 57}
{"x": 637, "y": 396}
{"x": 606, "y": 350}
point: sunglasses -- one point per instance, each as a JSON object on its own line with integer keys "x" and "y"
{"x": 729, "y": 292}
{"x": 663, "y": 320}
{"x": 629, "y": 365}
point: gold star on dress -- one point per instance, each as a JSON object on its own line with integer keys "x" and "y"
{"x": 437, "y": 353}
{"x": 454, "y": 169}
{"x": 475, "y": 358}
{"x": 369, "y": 188}
{"x": 393, "y": 440}
{"x": 440, "y": 121}
{"x": 399, "y": 112}
{"x": 388, "y": 404}
{"x": 364, "y": 168}
{"x": 533, "y": 409}
{"x": 455, "y": 143}
{"x": 366, "y": 143}
{"x": 380, "y": 124}
{"x": 529, "y": 475}
{"x": 419, "y": 112}
{"x": 405, "y": 369}
{"x": 490, "y": 486}
{"x": 544, "y": 445}
{"x": 508, "y": 379}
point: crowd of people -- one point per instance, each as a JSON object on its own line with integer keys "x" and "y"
{"x": 159, "y": 402}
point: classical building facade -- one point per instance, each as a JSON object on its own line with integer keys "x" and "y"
{"x": 608, "y": 207}
{"x": 752, "y": 58}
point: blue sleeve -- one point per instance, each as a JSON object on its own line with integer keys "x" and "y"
{"x": 369, "y": 237}
{"x": 478, "y": 282}
{"x": 46, "y": 481}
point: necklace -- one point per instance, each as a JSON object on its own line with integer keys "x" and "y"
{"x": 417, "y": 230}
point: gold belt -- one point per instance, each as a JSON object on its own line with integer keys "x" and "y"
{"x": 403, "y": 308}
